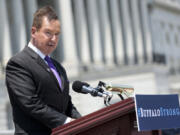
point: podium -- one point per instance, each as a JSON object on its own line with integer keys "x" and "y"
{"x": 116, "y": 119}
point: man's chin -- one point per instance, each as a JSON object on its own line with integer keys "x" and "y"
{"x": 50, "y": 50}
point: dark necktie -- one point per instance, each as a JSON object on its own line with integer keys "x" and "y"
{"x": 53, "y": 69}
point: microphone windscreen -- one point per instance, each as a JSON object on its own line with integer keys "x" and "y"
{"x": 77, "y": 86}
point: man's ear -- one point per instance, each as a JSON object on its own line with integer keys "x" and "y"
{"x": 33, "y": 31}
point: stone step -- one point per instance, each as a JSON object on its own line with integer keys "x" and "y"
{"x": 6, "y": 132}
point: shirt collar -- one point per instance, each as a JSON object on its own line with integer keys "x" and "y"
{"x": 35, "y": 49}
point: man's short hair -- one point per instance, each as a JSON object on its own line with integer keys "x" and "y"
{"x": 46, "y": 11}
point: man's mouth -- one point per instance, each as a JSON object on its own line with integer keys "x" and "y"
{"x": 50, "y": 44}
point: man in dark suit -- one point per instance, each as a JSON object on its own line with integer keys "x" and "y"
{"x": 38, "y": 86}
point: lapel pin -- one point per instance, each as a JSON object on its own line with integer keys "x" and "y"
{"x": 48, "y": 69}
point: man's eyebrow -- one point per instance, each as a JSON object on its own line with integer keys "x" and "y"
{"x": 47, "y": 29}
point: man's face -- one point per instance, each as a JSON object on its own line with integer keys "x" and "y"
{"x": 47, "y": 37}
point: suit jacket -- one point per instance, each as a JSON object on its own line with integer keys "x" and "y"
{"x": 38, "y": 103}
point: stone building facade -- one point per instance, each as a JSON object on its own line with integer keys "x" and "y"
{"x": 133, "y": 42}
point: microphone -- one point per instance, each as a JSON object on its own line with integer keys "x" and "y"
{"x": 82, "y": 87}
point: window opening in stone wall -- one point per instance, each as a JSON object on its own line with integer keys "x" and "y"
{"x": 176, "y": 38}
{"x": 167, "y": 38}
{"x": 172, "y": 68}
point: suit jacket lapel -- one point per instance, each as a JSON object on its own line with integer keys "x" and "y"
{"x": 46, "y": 67}
{"x": 36, "y": 57}
{"x": 41, "y": 62}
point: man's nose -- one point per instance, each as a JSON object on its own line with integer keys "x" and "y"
{"x": 54, "y": 37}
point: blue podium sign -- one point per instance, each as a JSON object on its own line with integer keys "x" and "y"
{"x": 157, "y": 112}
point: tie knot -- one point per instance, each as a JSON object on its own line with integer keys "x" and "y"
{"x": 47, "y": 58}
{"x": 49, "y": 62}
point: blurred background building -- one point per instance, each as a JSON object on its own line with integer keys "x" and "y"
{"x": 133, "y": 42}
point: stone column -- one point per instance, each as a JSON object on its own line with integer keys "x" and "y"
{"x": 127, "y": 29}
{"x": 18, "y": 32}
{"x": 105, "y": 33}
{"x": 5, "y": 41}
{"x": 156, "y": 31}
{"x": 81, "y": 32}
{"x": 31, "y": 7}
{"x": 146, "y": 30}
{"x": 94, "y": 34}
{"x": 117, "y": 37}
{"x": 137, "y": 31}
{"x": 67, "y": 33}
